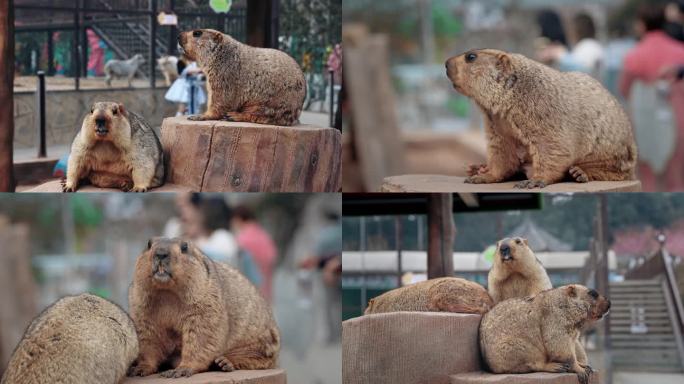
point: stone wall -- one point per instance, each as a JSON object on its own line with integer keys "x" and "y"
{"x": 65, "y": 111}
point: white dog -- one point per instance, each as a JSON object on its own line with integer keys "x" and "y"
{"x": 122, "y": 68}
{"x": 169, "y": 67}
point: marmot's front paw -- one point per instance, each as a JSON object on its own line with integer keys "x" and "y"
{"x": 587, "y": 368}
{"x": 583, "y": 377}
{"x": 138, "y": 189}
{"x": 560, "y": 367}
{"x": 477, "y": 179}
{"x": 197, "y": 118}
{"x": 578, "y": 174}
{"x": 529, "y": 184}
{"x": 68, "y": 187}
{"x": 178, "y": 372}
{"x": 224, "y": 364}
{"x": 141, "y": 370}
{"x": 476, "y": 169}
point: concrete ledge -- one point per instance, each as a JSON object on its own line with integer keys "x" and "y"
{"x": 409, "y": 347}
{"x": 266, "y": 376}
{"x": 520, "y": 378}
{"x": 56, "y": 186}
{"x": 439, "y": 183}
{"x": 222, "y": 156}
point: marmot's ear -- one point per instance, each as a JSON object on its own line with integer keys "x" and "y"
{"x": 217, "y": 38}
{"x": 525, "y": 241}
{"x": 503, "y": 63}
{"x": 121, "y": 108}
{"x": 571, "y": 291}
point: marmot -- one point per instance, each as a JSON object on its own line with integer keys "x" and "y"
{"x": 537, "y": 333}
{"x": 446, "y": 294}
{"x": 516, "y": 272}
{"x": 544, "y": 123}
{"x": 256, "y": 85}
{"x": 115, "y": 148}
{"x": 81, "y": 339}
{"x": 191, "y": 312}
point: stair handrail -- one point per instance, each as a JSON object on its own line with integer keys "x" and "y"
{"x": 671, "y": 279}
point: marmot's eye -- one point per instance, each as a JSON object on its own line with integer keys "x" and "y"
{"x": 149, "y": 243}
{"x": 184, "y": 247}
{"x": 92, "y": 109}
{"x": 114, "y": 111}
{"x": 470, "y": 57}
{"x": 518, "y": 241}
{"x": 196, "y": 33}
{"x": 593, "y": 294}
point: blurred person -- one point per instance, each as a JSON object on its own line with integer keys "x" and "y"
{"x": 674, "y": 19}
{"x": 255, "y": 240}
{"x": 619, "y": 44}
{"x": 181, "y": 89}
{"x": 645, "y": 63}
{"x": 327, "y": 257}
{"x": 551, "y": 35}
{"x": 585, "y": 56}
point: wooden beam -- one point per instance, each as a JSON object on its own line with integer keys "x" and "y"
{"x": 440, "y": 235}
{"x": 7, "y": 183}
{"x": 262, "y": 23}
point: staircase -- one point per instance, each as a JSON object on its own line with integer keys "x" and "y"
{"x": 644, "y": 331}
{"x": 128, "y": 36}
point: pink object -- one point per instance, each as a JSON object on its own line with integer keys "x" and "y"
{"x": 259, "y": 244}
{"x": 95, "y": 54}
{"x": 644, "y": 62}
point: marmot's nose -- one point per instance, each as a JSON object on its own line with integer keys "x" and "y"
{"x": 161, "y": 254}
{"x": 100, "y": 122}
{"x": 505, "y": 249}
{"x": 608, "y": 305}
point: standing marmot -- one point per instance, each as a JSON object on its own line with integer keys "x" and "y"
{"x": 537, "y": 333}
{"x": 446, "y": 294}
{"x": 115, "y": 148}
{"x": 78, "y": 340}
{"x": 256, "y": 85}
{"x": 516, "y": 272}
{"x": 191, "y": 312}
{"x": 547, "y": 124}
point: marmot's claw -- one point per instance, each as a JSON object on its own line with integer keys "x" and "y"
{"x": 587, "y": 368}
{"x": 176, "y": 373}
{"x": 578, "y": 174}
{"x": 66, "y": 188}
{"x": 228, "y": 118}
{"x": 195, "y": 117}
{"x": 529, "y": 184}
{"x": 138, "y": 189}
{"x": 475, "y": 179}
{"x": 224, "y": 363}
{"x": 139, "y": 371}
{"x": 476, "y": 169}
{"x": 583, "y": 378}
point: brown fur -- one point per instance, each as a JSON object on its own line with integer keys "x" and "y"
{"x": 191, "y": 312}
{"x": 127, "y": 156}
{"x": 537, "y": 333}
{"x": 547, "y": 124}
{"x": 79, "y": 339}
{"x": 446, "y": 294}
{"x": 521, "y": 275}
{"x": 256, "y": 85}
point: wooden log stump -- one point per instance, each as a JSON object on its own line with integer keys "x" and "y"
{"x": 265, "y": 376}
{"x": 55, "y": 186}
{"x": 455, "y": 184}
{"x": 521, "y": 378}
{"x": 220, "y": 156}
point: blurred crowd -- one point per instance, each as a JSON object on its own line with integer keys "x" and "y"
{"x": 646, "y": 74}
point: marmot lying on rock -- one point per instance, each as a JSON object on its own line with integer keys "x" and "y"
{"x": 446, "y": 294}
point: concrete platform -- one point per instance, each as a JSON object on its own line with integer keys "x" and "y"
{"x": 266, "y": 376}
{"x": 55, "y": 186}
{"x": 520, "y": 378}
{"x": 440, "y": 183}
